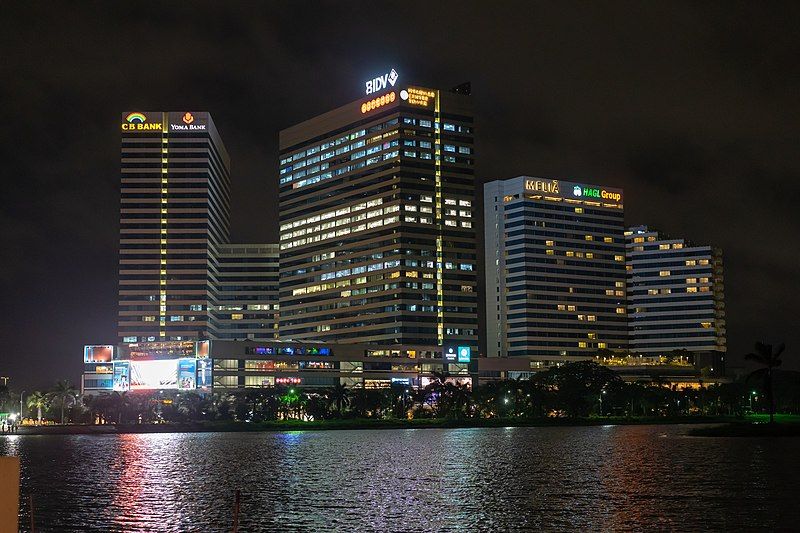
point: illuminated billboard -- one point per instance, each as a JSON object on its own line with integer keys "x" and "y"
{"x": 187, "y": 374}
{"x": 146, "y": 351}
{"x": 573, "y": 191}
{"x": 121, "y": 380}
{"x": 138, "y": 121}
{"x": 188, "y": 121}
{"x": 158, "y": 374}
{"x": 450, "y": 353}
{"x": 98, "y": 354}
{"x": 464, "y": 354}
{"x": 204, "y": 380}
{"x": 202, "y": 349}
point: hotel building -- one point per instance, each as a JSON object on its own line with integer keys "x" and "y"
{"x": 376, "y": 220}
{"x": 175, "y": 210}
{"x": 675, "y": 297}
{"x": 555, "y": 269}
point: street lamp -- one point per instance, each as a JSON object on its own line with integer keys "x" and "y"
{"x": 20, "y": 404}
{"x": 602, "y": 392}
{"x": 752, "y": 393}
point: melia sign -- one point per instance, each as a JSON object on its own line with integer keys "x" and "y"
{"x": 382, "y": 82}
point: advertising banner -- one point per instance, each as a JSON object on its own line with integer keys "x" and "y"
{"x": 98, "y": 354}
{"x": 154, "y": 374}
{"x": 204, "y": 379}
{"x": 121, "y": 380}
{"x": 187, "y": 374}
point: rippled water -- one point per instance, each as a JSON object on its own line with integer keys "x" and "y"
{"x": 592, "y": 478}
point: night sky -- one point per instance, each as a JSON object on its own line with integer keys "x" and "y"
{"x": 691, "y": 108}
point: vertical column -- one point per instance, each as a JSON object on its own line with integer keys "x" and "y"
{"x": 162, "y": 277}
{"x": 437, "y": 129}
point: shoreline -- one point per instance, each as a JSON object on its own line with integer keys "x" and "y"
{"x": 350, "y": 423}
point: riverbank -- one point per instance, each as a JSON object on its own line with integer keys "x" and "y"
{"x": 355, "y": 423}
{"x": 753, "y": 426}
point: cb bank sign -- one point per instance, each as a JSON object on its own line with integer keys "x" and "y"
{"x": 138, "y": 121}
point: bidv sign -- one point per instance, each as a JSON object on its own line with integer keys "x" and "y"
{"x": 382, "y": 82}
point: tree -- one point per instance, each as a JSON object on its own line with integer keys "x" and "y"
{"x": 770, "y": 359}
{"x": 577, "y": 386}
{"x": 63, "y": 392}
{"x": 37, "y": 400}
{"x": 339, "y": 396}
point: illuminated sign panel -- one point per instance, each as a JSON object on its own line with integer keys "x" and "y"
{"x": 203, "y": 373}
{"x": 577, "y": 191}
{"x": 464, "y": 354}
{"x": 381, "y": 82}
{"x": 418, "y": 96}
{"x": 187, "y": 374}
{"x": 98, "y": 354}
{"x": 160, "y": 350}
{"x": 380, "y": 101}
{"x": 121, "y": 380}
{"x": 138, "y": 121}
{"x": 188, "y": 121}
{"x": 154, "y": 374}
{"x": 288, "y": 381}
{"x": 450, "y": 353}
{"x": 542, "y": 186}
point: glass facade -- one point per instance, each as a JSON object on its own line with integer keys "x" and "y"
{"x": 376, "y": 224}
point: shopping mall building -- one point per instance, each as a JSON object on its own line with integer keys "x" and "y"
{"x": 219, "y": 365}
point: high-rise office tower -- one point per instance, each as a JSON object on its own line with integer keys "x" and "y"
{"x": 174, "y": 214}
{"x": 376, "y": 219}
{"x": 675, "y": 297}
{"x": 555, "y": 269}
{"x": 247, "y": 291}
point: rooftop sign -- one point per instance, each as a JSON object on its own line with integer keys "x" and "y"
{"x": 381, "y": 82}
{"x": 572, "y": 191}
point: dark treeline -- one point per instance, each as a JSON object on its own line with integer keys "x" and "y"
{"x": 579, "y": 389}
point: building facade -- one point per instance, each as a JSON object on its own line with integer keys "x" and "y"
{"x": 247, "y": 291}
{"x": 555, "y": 269}
{"x": 175, "y": 211}
{"x": 675, "y": 297}
{"x": 227, "y": 365}
{"x": 376, "y": 220}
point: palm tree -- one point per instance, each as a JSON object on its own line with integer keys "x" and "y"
{"x": 339, "y": 395}
{"x": 63, "y": 392}
{"x": 37, "y": 400}
{"x": 770, "y": 359}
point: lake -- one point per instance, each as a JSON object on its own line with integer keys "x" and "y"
{"x": 502, "y": 479}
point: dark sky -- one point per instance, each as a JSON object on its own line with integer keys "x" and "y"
{"x": 691, "y": 108}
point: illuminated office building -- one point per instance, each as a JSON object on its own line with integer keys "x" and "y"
{"x": 376, "y": 220}
{"x": 675, "y": 297}
{"x": 555, "y": 269}
{"x": 247, "y": 291}
{"x": 174, "y": 215}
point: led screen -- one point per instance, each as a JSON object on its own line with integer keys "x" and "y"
{"x": 97, "y": 354}
{"x": 159, "y": 374}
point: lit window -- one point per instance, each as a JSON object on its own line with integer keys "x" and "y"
{"x": 664, "y": 273}
{"x": 237, "y": 316}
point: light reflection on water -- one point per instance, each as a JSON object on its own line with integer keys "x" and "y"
{"x": 620, "y": 478}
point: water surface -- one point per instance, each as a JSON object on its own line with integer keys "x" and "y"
{"x": 557, "y": 478}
